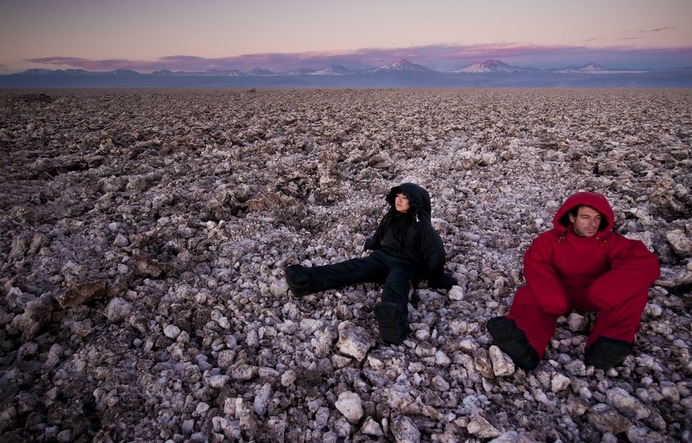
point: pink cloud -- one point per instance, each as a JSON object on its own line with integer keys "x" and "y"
{"x": 94, "y": 65}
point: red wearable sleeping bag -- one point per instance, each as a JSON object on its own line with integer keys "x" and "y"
{"x": 564, "y": 271}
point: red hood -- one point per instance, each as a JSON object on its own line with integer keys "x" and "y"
{"x": 597, "y": 201}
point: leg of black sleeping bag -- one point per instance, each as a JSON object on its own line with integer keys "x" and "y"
{"x": 350, "y": 272}
{"x": 303, "y": 280}
{"x": 392, "y": 311}
{"x": 392, "y": 321}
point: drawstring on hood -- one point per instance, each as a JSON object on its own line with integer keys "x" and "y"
{"x": 597, "y": 201}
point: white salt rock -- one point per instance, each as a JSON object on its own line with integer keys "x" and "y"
{"x": 442, "y": 359}
{"x": 278, "y": 288}
{"x": 440, "y": 384}
{"x": 681, "y": 242}
{"x": 577, "y": 406}
{"x": 653, "y": 310}
{"x": 375, "y": 363}
{"x": 354, "y": 341}
{"x": 202, "y": 408}
{"x": 288, "y": 378}
{"x": 481, "y": 427}
{"x": 171, "y": 331}
{"x": 627, "y": 404}
{"x": 262, "y": 399}
{"x": 309, "y": 325}
{"x": 576, "y": 322}
{"x": 188, "y": 426}
{"x": 502, "y": 364}
{"x": 559, "y": 383}
{"x": 53, "y": 357}
{"x": 405, "y": 430}
{"x": 121, "y": 241}
{"x": 670, "y": 392}
{"x": 456, "y": 293}
{"x": 117, "y": 309}
{"x": 606, "y": 419}
{"x": 350, "y": 405}
{"x": 371, "y": 427}
{"x": 399, "y": 394}
{"x": 218, "y": 381}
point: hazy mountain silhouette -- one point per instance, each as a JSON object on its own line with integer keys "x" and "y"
{"x": 400, "y": 73}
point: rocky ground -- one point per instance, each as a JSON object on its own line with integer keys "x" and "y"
{"x": 143, "y": 237}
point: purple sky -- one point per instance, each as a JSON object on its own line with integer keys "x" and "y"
{"x": 199, "y": 35}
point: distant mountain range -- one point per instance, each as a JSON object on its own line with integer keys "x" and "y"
{"x": 401, "y": 73}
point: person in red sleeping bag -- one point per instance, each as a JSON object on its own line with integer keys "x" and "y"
{"x": 580, "y": 264}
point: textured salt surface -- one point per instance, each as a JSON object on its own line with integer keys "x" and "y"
{"x": 143, "y": 236}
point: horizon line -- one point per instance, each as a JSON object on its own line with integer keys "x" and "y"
{"x": 606, "y": 68}
{"x": 443, "y": 57}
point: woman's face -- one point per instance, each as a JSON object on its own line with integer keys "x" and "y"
{"x": 401, "y": 203}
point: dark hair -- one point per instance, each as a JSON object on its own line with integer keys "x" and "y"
{"x": 405, "y": 220}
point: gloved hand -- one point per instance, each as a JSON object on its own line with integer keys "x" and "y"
{"x": 369, "y": 244}
{"x": 444, "y": 281}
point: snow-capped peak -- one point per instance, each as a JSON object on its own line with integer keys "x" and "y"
{"x": 595, "y": 68}
{"x": 332, "y": 70}
{"x": 589, "y": 68}
{"x": 401, "y": 65}
{"x": 259, "y": 71}
{"x": 487, "y": 66}
{"x": 592, "y": 67}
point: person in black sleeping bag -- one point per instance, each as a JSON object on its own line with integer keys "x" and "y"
{"x": 406, "y": 248}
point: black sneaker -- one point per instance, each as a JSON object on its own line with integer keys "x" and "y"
{"x": 298, "y": 280}
{"x": 606, "y": 352}
{"x": 513, "y": 342}
{"x": 392, "y": 320}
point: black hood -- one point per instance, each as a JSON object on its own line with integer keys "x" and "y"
{"x": 418, "y": 197}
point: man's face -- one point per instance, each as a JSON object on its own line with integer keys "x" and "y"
{"x": 586, "y": 222}
{"x": 401, "y": 203}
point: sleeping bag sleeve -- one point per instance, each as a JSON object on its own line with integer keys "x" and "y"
{"x": 633, "y": 268}
{"x": 541, "y": 276}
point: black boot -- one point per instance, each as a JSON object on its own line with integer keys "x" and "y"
{"x": 513, "y": 342}
{"x": 392, "y": 320}
{"x": 298, "y": 279}
{"x": 606, "y": 352}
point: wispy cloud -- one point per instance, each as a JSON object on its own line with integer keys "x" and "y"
{"x": 440, "y": 57}
{"x": 654, "y": 30}
{"x": 643, "y": 34}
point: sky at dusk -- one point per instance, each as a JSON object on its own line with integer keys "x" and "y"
{"x": 200, "y": 35}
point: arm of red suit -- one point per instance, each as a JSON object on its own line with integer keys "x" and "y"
{"x": 633, "y": 268}
{"x": 542, "y": 278}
